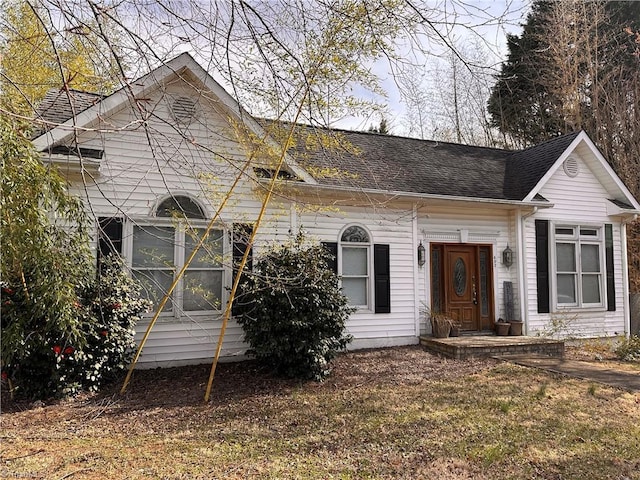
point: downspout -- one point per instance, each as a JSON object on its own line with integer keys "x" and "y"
{"x": 416, "y": 270}
{"x": 625, "y": 274}
{"x": 522, "y": 258}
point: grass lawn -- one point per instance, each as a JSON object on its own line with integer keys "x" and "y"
{"x": 388, "y": 413}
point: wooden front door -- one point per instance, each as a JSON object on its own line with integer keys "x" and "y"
{"x": 464, "y": 284}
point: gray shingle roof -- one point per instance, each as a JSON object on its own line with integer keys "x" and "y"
{"x": 58, "y": 106}
{"x": 400, "y": 164}
{"x": 526, "y": 167}
{"x": 620, "y": 204}
{"x": 364, "y": 160}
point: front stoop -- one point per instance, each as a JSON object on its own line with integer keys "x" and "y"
{"x": 473, "y": 346}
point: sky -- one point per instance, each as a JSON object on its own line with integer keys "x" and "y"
{"x": 473, "y": 21}
{"x": 470, "y": 26}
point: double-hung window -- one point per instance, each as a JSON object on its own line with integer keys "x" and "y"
{"x": 160, "y": 248}
{"x": 363, "y": 268}
{"x": 355, "y": 253}
{"x": 579, "y": 263}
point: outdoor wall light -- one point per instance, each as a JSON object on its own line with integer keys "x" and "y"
{"x": 421, "y": 255}
{"x": 507, "y": 257}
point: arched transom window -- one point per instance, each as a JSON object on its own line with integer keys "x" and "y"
{"x": 179, "y": 206}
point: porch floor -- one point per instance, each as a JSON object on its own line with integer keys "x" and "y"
{"x": 479, "y": 346}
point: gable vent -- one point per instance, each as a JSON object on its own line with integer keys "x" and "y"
{"x": 183, "y": 110}
{"x": 571, "y": 166}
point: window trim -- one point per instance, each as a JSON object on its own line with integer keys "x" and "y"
{"x": 369, "y": 289}
{"x": 179, "y": 227}
{"x": 575, "y": 238}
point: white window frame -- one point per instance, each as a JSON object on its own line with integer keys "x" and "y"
{"x": 577, "y": 239}
{"x": 368, "y": 246}
{"x": 180, "y": 227}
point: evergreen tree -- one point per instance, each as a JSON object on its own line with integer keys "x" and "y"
{"x": 568, "y": 69}
{"x": 520, "y": 106}
{"x": 383, "y": 127}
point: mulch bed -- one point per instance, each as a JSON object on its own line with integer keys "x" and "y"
{"x": 185, "y": 386}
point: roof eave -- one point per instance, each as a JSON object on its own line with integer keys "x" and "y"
{"x": 72, "y": 164}
{"x": 411, "y": 196}
{"x": 614, "y": 210}
{"x": 175, "y": 67}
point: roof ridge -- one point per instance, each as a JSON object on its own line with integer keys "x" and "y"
{"x": 550, "y": 140}
{"x": 403, "y": 137}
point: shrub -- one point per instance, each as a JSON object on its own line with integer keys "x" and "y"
{"x": 292, "y": 311}
{"x": 51, "y": 363}
{"x": 629, "y": 349}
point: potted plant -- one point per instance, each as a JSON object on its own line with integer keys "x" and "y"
{"x": 515, "y": 327}
{"x": 440, "y": 325}
{"x": 502, "y": 327}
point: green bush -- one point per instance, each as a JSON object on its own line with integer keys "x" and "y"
{"x": 292, "y": 311}
{"x": 629, "y": 349}
{"x": 51, "y": 363}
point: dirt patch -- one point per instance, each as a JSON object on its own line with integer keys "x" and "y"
{"x": 599, "y": 353}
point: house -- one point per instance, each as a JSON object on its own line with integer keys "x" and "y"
{"x": 482, "y": 233}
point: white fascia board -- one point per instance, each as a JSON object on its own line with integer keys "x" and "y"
{"x": 111, "y": 104}
{"x": 410, "y": 196}
{"x": 629, "y": 198}
{"x": 601, "y": 163}
{"x": 72, "y": 163}
{"x": 614, "y": 210}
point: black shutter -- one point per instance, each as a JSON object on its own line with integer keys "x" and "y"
{"x": 332, "y": 261}
{"x": 611, "y": 279}
{"x": 382, "y": 278}
{"x": 241, "y": 235}
{"x": 542, "y": 264}
{"x": 109, "y": 237}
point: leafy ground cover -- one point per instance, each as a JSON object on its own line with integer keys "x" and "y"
{"x": 388, "y": 413}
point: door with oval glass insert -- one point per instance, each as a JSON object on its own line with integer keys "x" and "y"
{"x": 461, "y": 281}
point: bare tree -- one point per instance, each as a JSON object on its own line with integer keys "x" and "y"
{"x": 448, "y": 102}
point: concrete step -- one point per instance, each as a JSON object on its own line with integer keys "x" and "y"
{"x": 473, "y": 346}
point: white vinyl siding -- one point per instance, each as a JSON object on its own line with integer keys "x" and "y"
{"x": 389, "y": 226}
{"x": 145, "y": 160}
{"x": 576, "y": 201}
{"x": 134, "y": 176}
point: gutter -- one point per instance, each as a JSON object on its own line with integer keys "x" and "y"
{"x": 410, "y": 196}
{"x": 72, "y": 163}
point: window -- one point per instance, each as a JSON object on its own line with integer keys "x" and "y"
{"x": 355, "y": 252}
{"x": 353, "y": 258}
{"x": 160, "y": 248}
{"x": 579, "y": 266}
